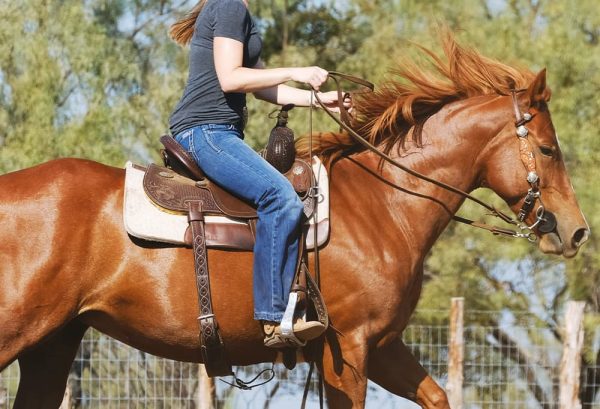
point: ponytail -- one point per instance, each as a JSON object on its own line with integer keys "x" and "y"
{"x": 183, "y": 30}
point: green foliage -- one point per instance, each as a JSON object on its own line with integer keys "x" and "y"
{"x": 75, "y": 83}
{"x": 98, "y": 79}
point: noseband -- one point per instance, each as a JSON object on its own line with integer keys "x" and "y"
{"x": 545, "y": 220}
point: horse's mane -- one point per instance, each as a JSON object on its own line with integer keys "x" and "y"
{"x": 416, "y": 92}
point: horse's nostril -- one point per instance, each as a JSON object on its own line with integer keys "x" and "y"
{"x": 580, "y": 237}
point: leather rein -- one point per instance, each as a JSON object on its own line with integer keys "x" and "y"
{"x": 545, "y": 220}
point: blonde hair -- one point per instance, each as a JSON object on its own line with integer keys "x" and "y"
{"x": 183, "y": 30}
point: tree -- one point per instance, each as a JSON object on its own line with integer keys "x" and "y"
{"x": 91, "y": 79}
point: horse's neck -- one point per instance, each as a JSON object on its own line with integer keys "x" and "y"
{"x": 416, "y": 210}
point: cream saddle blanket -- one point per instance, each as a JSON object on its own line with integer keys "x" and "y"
{"x": 146, "y": 221}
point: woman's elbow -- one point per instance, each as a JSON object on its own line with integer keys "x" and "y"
{"x": 229, "y": 84}
{"x": 228, "y": 87}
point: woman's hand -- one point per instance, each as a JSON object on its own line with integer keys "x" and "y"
{"x": 330, "y": 100}
{"x": 313, "y": 76}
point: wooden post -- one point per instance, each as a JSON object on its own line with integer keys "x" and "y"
{"x": 66, "y": 403}
{"x": 3, "y": 394}
{"x": 570, "y": 363}
{"x": 456, "y": 344}
{"x": 206, "y": 390}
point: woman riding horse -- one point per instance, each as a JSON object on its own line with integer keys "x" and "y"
{"x": 209, "y": 122}
{"x": 66, "y": 262}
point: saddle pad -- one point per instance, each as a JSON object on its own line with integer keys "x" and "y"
{"x": 146, "y": 221}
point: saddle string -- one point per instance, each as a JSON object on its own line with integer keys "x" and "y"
{"x": 247, "y": 385}
{"x": 307, "y": 386}
{"x": 525, "y": 231}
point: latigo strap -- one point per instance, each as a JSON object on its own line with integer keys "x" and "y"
{"x": 213, "y": 349}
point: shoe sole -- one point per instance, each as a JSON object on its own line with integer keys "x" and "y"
{"x": 310, "y": 332}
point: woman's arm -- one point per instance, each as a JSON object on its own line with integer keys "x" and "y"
{"x": 268, "y": 83}
{"x": 283, "y": 94}
{"x": 233, "y": 77}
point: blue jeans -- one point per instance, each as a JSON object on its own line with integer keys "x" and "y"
{"x": 227, "y": 160}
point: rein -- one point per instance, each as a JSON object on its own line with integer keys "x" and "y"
{"x": 526, "y": 151}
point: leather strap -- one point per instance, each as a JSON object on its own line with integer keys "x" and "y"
{"x": 336, "y": 77}
{"x": 213, "y": 349}
{"x": 305, "y": 285}
{"x": 317, "y": 298}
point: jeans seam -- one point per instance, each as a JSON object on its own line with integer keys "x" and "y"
{"x": 272, "y": 250}
{"x": 191, "y": 148}
{"x": 182, "y": 136}
{"x": 208, "y": 136}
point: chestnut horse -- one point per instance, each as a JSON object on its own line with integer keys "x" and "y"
{"x": 67, "y": 264}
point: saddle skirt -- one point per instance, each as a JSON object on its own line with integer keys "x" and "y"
{"x": 145, "y": 220}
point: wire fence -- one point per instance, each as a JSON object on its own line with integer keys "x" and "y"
{"x": 513, "y": 363}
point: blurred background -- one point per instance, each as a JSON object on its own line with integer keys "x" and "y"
{"x": 98, "y": 78}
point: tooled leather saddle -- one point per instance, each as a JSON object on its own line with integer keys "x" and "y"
{"x": 181, "y": 186}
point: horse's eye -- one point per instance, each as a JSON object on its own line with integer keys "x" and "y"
{"x": 547, "y": 151}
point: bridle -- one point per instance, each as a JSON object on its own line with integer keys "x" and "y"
{"x": 545, "y": 221}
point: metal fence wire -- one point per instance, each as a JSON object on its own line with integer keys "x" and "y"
{"x": 510, "y": 361}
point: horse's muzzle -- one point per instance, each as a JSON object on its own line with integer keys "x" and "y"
{"x": 558, "y": 239}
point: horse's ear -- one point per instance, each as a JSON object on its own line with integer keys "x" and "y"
{"x": 538, "y": 91}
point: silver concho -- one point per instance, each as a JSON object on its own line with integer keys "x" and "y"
{"x": 532, "y": 177}
{"x": 527, "y": 116}
{"x": 522, "y": 132}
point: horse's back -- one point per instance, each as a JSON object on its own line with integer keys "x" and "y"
{"x": 77, "y": 174}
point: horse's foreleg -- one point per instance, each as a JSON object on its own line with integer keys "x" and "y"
{"x": 394, "y": 368}
{"x": 44, "y": 370}
{"x": 344, "y": 372}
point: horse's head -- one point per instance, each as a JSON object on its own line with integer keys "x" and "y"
{"x": 527, "y": 170}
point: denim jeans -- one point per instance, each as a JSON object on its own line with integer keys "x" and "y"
{"x": 227, "y": 160}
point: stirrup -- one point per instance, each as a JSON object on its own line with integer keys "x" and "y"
{"x": 287, "y": 322}
{"x": 286, "y": 338}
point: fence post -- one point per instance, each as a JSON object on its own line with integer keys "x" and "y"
{"x": 66, "y": 403}
{"x": 206, "y": 389}
{"x": 3, "y": 394}
{"x": 570, "y": 363}
{"x": 454, "y": 387}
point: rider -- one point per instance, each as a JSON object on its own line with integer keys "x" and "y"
{"x": 208, "y": 121}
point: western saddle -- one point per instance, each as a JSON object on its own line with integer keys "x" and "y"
{"x": 181, "y": 186}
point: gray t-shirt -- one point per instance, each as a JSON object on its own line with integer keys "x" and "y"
{"x": 203, "y": 100}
